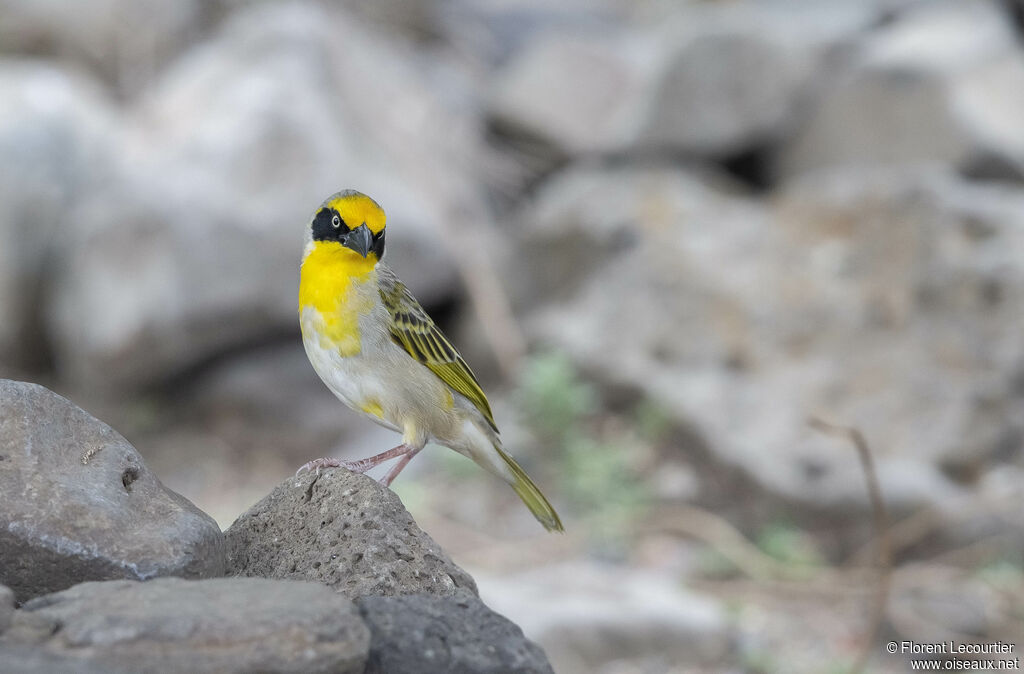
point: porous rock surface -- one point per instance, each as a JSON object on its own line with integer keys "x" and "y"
{"x": 445, "y": 635}
{"x": 176, "y": 625}
{"x": 346, "y": 531}
{"x": 78, "y": 503}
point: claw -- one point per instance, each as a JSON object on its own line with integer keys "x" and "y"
{"x": 326, "y": 462}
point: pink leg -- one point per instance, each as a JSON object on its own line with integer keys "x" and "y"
{"x": 402, "y": 463}
{"x": 362, "y": 465}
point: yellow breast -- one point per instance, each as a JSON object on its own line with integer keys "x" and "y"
{"x": 330, "y": 277}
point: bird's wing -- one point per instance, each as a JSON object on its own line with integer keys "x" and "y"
{"x": 414, "y": 330}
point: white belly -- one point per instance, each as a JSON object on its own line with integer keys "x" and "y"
{"x": 351, "y": 379}
{"x": 383, "y": 377}
{"x": 409, "y": 397}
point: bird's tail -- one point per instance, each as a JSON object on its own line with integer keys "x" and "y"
{"x": 531, "y": 495}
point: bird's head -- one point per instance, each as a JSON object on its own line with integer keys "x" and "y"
{"x": 353, "y": 220}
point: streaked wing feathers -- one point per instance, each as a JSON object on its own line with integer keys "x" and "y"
{"x": 414, "y": 330}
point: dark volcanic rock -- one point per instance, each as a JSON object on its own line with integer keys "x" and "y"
{"x": 175, "y": 625}
{"x": 78, "y": 503}
{"x": 447, "y": 635}
{"x": 346, "y": 531}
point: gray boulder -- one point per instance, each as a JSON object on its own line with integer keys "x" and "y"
{"x": 587, "y": 218}
{"x": 55, "y": 129}
{"x": 836, "y": 300}
{"x": 124, "y": 40}
{"x": 588, "y": 616}
{"x": 943, "y": 83}
{"x": 192, "y": 248}
{"x": 25, "y": 659}
{"x": 345, "y": 531}
{"x": 930, "y": 265}
{"x": 176, "y": 625}
{"x": 78, "y": 503}
{"x": 710, "y": 79}
{"x": 738, "y": 76}
{"x": 732, "y": 81}
{"x": 421, "y": 634}
{"x": 575, "y": 92}
{"x": 145, "y": 289}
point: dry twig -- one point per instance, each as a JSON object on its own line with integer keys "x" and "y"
{"x": 725, "y": 539}
{"x": 881, "y": 516}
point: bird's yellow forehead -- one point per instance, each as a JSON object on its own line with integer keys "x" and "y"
{"x": 355, "y": 208}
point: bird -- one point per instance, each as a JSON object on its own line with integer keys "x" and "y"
{"x": 380, "y": 353}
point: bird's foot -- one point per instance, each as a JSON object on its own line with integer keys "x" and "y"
{"x": 325, "y": 462}
{"x": 363, "y": 465}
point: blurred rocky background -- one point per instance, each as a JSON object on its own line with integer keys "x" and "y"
{"x": 665, "y": 234}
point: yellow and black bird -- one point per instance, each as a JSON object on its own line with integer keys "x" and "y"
{"x": 380, "y": 353}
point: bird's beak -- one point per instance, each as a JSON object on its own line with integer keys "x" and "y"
{"x": 359, "y": 239}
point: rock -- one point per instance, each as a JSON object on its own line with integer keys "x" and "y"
{"x": 986, "y": 513}
{"x": 706, "y": 79}
{"x": 176, "y": 625}
{"x": 78, "y": 503}
{"x": 126, "y": 41}
{"x": 952, "y": 603}
{"x": 885, "y": 300}
{"x": 734, "y": 78}
{"x": 577, "y": 93}
{"x": 587, "y": 218}
{"x": 151, "y": 290}
{"x": 55, "y": 126}
{"x": 422, "y": 634}
{"x": 192, "y": 250}
{"x": 587, "y": 616}
{"x": 345, "y": 531}
{"x": 22, "y": 659}
{"x": 6, "y": 607}
{"x": 490, "y": 32}
{"x": 728, "y": 86}
{"x": 943, "y": 83}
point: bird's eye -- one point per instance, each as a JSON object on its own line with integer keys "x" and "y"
{"x": 336, "y": 222}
